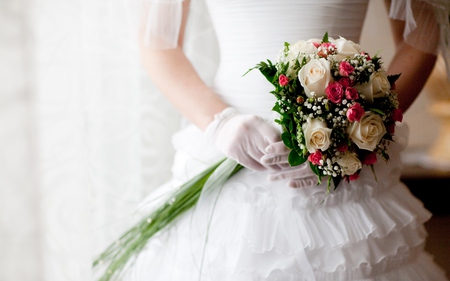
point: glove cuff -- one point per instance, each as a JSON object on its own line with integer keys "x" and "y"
{"x": 213, "y": 127}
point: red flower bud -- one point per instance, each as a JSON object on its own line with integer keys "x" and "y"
{"x": 369, "y": 159}
{"x": 397, "y": 115}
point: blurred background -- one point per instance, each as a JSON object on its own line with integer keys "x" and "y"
{"x": 81, "y": 132}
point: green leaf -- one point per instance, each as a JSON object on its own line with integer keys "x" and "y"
{"x": 295, "y": 159}
{"x": 325, "y": 38}
{"x": 268, "y": 70}
{"x": 276, "y": 108}
{"x": 287, "y": 139}
{"x": 315, "y": 169}
{"x": 378, "y": 111}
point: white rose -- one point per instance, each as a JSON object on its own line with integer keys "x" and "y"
{"x": 315, "y": 76}
{"x": 317, "y": 135}
{"x": 368, "y": 132}
{"x": 377, "y": 86}
{"x": 349, "y": 163}
{"x": 304, "y": 47}
{"x": 345, "y": 48}
{"x": 296, "y": 52}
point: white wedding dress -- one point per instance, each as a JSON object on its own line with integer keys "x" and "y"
{"x": 369, "y": 229}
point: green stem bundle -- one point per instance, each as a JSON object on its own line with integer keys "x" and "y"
{"x": 130, "y": 244}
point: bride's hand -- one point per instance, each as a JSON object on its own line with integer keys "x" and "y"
{"x": 242, "y": 137}
{"x": 298, "y": 176}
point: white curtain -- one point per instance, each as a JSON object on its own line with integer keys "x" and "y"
{"x": 81, "y": 131}
{"x": 20, "y": 217}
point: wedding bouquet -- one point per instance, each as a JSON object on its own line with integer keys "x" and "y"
{"x": 337, "y": 109}
{"x": 336, "y": 104}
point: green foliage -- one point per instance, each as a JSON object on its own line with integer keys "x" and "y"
{"x": 295, "y": 159}
{"x": 325, "y": 38}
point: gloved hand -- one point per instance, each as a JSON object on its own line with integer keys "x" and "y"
{"x": 297, "y": 176}
{"x": 242, "y": 137}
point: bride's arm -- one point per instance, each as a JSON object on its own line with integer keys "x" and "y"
{"x": 414, "y": 65}
{"x": 175, "y": 76}
{"x": 240, "y": 137}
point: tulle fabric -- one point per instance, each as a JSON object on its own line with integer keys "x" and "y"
{"x": 155, "y": 23}
{"x": 368, "y": 229}
{"x": 427, "y": 25}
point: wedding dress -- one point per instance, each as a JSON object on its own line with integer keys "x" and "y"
{"x": 367, "y": 229}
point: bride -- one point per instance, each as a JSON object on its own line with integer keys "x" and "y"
{"x": 269, "y": 223}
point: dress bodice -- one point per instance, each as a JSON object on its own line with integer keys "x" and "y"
{"x": 247, "y": 35}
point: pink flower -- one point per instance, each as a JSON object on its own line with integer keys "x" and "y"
{"x": 345, "y": 68}
{"x": 326, "y": 49}
{"x": 351, "y": 93}
{"x": 355, "y": 112}
{"x": 353, "y": 177}
{"x": 315, "y": 157}
{"x": 283, "y": 80}
{"x": 345, "y": 82}
{"x": 335, "y": 92}
{"x": 369, "y": 159}
{"x": 397, "y": 115}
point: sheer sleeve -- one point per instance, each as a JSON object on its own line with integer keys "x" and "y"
{"x": 156, "y": 23}
{"x": 427, "y": 25}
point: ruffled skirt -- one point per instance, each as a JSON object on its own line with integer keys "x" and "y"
{"x": 368, "y": 229}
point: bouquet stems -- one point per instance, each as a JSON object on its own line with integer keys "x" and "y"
{"x": 130, "y": 244}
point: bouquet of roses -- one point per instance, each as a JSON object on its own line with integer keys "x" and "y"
{"x": 337, "y": 109}
{"x": 336, "y": 104}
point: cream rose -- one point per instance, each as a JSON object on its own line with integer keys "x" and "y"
{"x": 367, "y": 133}
{"x": 317, "y": 135}
{"x": 349, "y": 163}
{"x": 377, "y": 86}
{"x": 315, "y": 76}
{"x": 345, "y": 48}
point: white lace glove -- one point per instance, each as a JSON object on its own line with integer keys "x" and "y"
{"x": 297, "y": 176}
{"x": 242, "y": 137}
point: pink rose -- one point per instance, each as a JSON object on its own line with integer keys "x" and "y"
{"x": 335, "y": 92}
{"x": 369, "y": 159}
{"x": 315, "y": 157}
{"x": 397, "y": 115}
{"x": 355, "y": 112}
{"x": 345, "y": 68}
{"x": 345, "y": 82}
{"x": 283, "y": 80}
{"x": 351, "y": 93}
